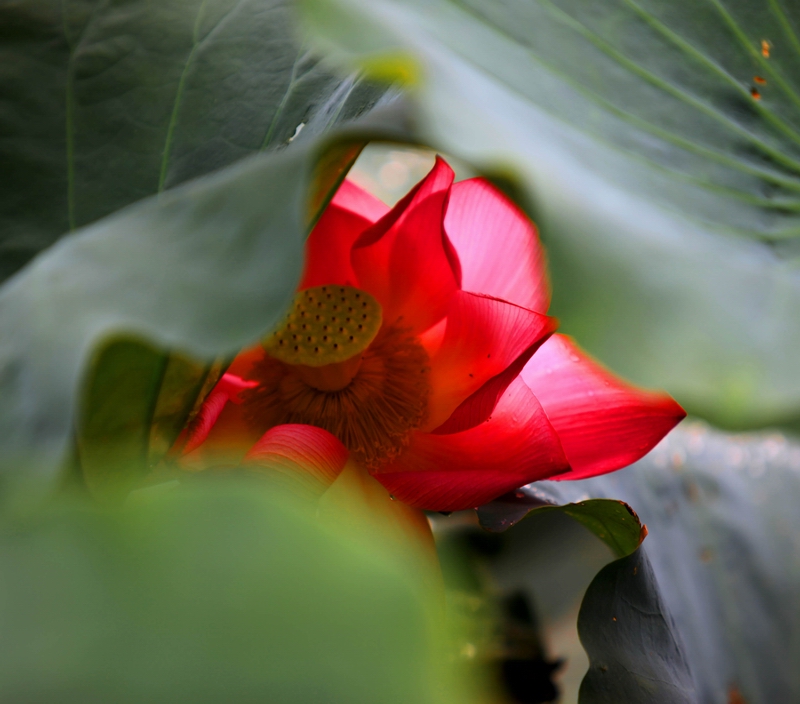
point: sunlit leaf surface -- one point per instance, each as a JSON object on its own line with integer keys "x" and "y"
{"x": 666, "y": 189}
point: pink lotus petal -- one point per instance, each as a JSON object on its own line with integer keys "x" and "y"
{"x": 603, "y": 422}
{"x": 351, "y": 211}
{"x": 497, "y": 245}
{"x": 304, "y": 458}
{"x": 227, "y": 389}
{"x": 483, "y": 337}
{"x": 406, "y": 261}
{"x": 517, "y": 445}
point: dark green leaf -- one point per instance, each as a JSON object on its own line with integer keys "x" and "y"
{"x": 215, "y": 593}
{"x": 667, "y": 194}
{"x": 113, "y": 431}
{"x": 723, "y": 542}
{"x": 614, "y": 522}
{"x": 105, "y": 103}
{"x": 135, "y": 402}
{"x": 184, "y": 385}
{"x": 635, "y": 656}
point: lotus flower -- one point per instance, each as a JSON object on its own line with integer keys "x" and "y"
{"x": 418, "y": 349}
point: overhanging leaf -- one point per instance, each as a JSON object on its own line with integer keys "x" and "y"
{"x": 206, "y": 269}
{"x": 667, "y": 193}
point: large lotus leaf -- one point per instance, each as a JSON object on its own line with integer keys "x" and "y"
{"x": 104, "y": 103}
{"x": 667, "y": 192}
{"x": 218, "y": 592}
{"x": 723, "y": 542}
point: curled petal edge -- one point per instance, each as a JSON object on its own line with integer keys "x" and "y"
{"x": 303, "y": 458}
{"x": 603, "y": 422}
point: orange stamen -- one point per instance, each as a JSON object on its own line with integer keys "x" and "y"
{"x": 373, "y": 415}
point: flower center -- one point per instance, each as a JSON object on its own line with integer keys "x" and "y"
{"x": 371, "y": 405}
{"x": 324, "y": 333}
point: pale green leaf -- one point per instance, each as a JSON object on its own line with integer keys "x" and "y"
{"x": 666, "y": 193}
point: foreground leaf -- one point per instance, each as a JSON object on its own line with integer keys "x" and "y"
{"x": 668, "y": 194}
{"x": 216, "y": 593}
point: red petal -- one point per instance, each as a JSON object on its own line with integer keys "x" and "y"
{"x": 406, "y": 261}
{"x": 483, "y": 337}
{"x": 497, "y": 245}
{"x": 227, "y": 389}
{"x": 517, "y": 445}
{"x": 350, "y": 213}
{"x": 304, "y": 458}
{"x": 603, "y": 422}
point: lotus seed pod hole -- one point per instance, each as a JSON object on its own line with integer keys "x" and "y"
{"x": 326, "y": 325}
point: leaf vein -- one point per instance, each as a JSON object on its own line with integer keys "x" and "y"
{"x": 660, "y": 83}
{"x": 766, "y": 66}
{"x": 713, "y": 66}
{"x": 197, "y": 42}
{"x": 284, "y": 100}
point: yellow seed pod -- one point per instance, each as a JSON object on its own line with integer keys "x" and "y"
{"x": 326, "y": 325}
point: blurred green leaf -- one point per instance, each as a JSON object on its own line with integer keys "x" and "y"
{"x": 105, "y": 103}
{"x": 184, "y": 385}
{"x": 114, "y": 428}
{"x": 217, "y": 592}
{"x": 667, "y": 194}
{"x": 614, "y": 522}
{"x": 135, "y": 402}
{"x": 634, "y": 654}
